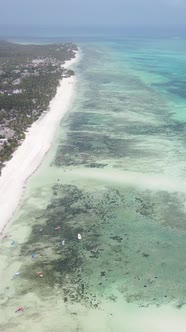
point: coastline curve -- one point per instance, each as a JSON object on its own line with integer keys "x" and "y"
{"x": 29, "y": 155}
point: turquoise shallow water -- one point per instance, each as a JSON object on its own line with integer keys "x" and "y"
{"x": 116, "y": 175}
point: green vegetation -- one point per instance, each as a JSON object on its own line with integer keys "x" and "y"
{"x": 29, "y": 77}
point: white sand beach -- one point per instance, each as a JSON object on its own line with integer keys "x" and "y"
{"x": 29, "y": 155}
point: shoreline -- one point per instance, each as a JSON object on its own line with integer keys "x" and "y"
{"x": 28, "y": 156}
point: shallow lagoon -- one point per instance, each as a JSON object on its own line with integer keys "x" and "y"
{"x": 116, "y": 175}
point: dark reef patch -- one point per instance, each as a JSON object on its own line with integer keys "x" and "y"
{"x": 132, "y": 251}
{"x": 84, "y": 149}
{"x": 73, "y": 212}
{"x": 174, "y": 86}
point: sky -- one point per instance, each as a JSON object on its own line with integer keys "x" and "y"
{"x": 93, "y": 12}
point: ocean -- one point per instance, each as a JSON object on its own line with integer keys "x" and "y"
{"x": 116, "y": 174}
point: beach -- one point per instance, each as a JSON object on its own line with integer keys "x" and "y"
{"x": 28, "y": 156}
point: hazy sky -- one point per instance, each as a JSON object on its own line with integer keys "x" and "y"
{"x": 83, "y": 12}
